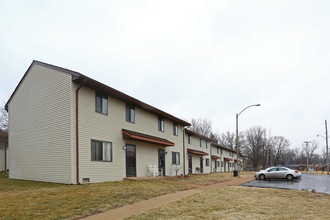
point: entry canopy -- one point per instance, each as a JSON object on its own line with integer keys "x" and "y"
{"x": 197, "y": 152}
{"x": 127, "y": 134}
{"x": 215, "y": 157}
{"x": 228, "y": 159}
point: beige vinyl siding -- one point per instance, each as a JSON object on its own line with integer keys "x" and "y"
{"x": 97, "y": 126}
{"x": 195, "y": 145}
{"x": 2, "y": 159}
{"x": 40, "y": 127}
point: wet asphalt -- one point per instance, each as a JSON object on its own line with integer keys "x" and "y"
{"x": 307, "y": 182}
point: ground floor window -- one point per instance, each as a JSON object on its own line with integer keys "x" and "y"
{"x": 101, "y": 151}
{"x": 176, "y": 158}
{"x": 218, "y": 163}
{"x": 207, "y": 162}
{"x": 221, "y": 163}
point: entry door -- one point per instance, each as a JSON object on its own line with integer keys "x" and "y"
{"x": 130, "y": 160}
{"x": 161, "y": 160}
{"x": 190, "y": 164}
{"x": 201, "y": 164}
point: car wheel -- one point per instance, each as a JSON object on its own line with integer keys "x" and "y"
{"x": 289, "y": 177}
{"x": 262, "y": 177}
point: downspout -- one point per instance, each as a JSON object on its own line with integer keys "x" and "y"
{"x": 211, "y": 157}
{"x": 6, "y": 156}
{"x": 184, "y": 151}
{"x": 77, "y": 136}
{"x": 184, "y": 154}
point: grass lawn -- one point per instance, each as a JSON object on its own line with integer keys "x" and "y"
{"x": 21, "y": 199}
{"x": 213, "y": 178}
{"x": 237, "y": 202}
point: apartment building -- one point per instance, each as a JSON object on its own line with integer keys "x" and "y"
{"x": 65, "y": 127}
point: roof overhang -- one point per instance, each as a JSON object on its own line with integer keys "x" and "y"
{"x": 127, "y": 134}
{"x": 197, "y": 152}
{"x": 215, "y": 157}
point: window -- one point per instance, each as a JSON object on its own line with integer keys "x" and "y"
{"x": 218, "y": 150}
{"x": 130, "y": 113}
{"x": 176, "y": 158}
{"x": 221, "y": 163}
{"x": 200, "y": 142}
{"x": 218, "y": 163}
{"x": 175, "y": 129}
{"x": 189, "y": 139}
{"x": 161, "y": 124}
{"x": 101, "y": 151}
{"x": 101, "y": 104}
{"x": 229, "y": 164}
{"x": 207, "y": 162}
{"x": 206, "y": 144}
{"x": 221, "y": 151}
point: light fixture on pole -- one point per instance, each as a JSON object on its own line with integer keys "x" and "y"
{"x": 237, "y": 147}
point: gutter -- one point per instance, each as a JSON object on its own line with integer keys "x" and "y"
{"x": 77, "y": 135}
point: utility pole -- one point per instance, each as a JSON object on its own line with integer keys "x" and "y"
{"x": 307, "y": 142}
{"x": 327, "y": 149}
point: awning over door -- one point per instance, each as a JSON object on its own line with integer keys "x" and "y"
{"x": 197, "y": 152}
{"x": 215, "y": 157}
{"x": 127, "y": 134}
{"x": 227, "y": 159}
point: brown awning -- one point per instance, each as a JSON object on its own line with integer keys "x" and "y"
{"x": 215, "y": 157}
{"x": 227, "y": 159}
{"x": 197, "y": 152}
{"x": 127, "y": 134}
{"x": 238, "y": 161}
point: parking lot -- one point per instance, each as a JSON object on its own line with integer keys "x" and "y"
{"x": 307, "y": 182}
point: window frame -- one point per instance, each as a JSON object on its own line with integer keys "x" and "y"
{"x": 175, "y": 129}
{"x": 189, "y": 139}
{"x": 175, "y": 158}
{"x": 102, "y": 98}
{"x": 200, "y": 142}
{"x": 161, "y": 124}
{"x": 95, "y": 157}
{"x": 207, "y": 162}
{"x": 129, "y": 110}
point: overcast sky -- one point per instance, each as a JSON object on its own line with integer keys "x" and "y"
{"x": 205, "y": 59}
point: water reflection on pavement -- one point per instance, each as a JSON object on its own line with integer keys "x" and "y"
{"x": 307, "y": 182}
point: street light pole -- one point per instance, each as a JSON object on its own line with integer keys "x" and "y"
{"x": 327, "y": 149}
{"x": 237, "y": 147}
{"x": 307, "y": 152}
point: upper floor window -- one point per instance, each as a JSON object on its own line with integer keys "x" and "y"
{"x": 175, "y": 129}
{"x": 101, "y": 104}
{"x": 221, "y": 151}
{"x": 101, "y": 151}
{"x": 161, "y": 124}
{"x": 176, "y": 158}
{"x": 130, "y": 113}
{"x": 206, "y": 145}
{"x": 189, "y": 139}
{"x": 200, "y": 142}
{"x": 218, "y": 150}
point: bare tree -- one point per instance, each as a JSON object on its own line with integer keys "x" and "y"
{"x": 309, "y": 150}
{"x": 280, "y": 146}
{"x": 254, "y": 147}
{"x": 201, "y": 126}
{"x": 3, "y": 119}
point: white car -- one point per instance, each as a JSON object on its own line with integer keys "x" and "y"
{"x": 277, "y": 173}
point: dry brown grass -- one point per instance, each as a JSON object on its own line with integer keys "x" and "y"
{"x": 245, "y": 203}
{"x": 36, "y": 200}
{"x": 208, "y": 179}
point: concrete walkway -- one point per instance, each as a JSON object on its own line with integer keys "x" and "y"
{"x": 146, "y": 205}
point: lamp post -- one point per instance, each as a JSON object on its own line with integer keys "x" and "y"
{"x": 326, "y": 145}
{"x": 237, "y": 147}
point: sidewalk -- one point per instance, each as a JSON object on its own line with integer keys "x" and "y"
{"x": 146, "y": 205}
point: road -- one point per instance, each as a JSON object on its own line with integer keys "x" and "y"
{"x": 307, "y": 182}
